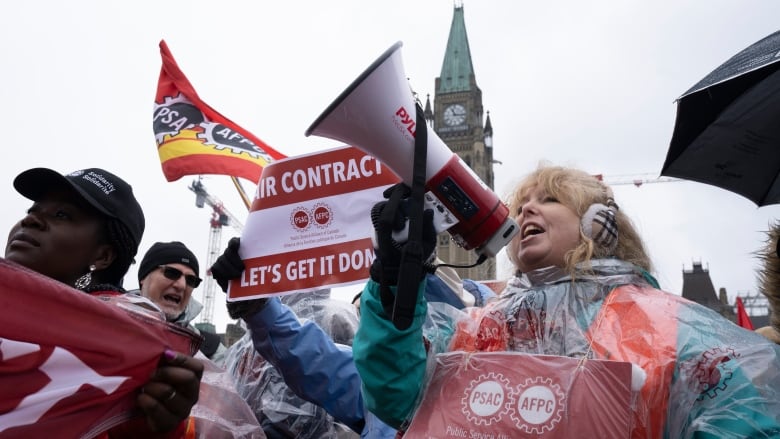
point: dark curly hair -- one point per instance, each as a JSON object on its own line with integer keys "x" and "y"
{"x": 119, "y": 237}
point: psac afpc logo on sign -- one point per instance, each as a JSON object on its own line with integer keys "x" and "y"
{"x": 310, "y": 224}
{"x": 506, "y": 395}
{"x": 535, "y": 406}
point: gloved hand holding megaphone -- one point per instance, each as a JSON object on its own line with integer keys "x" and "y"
{"x": 397, "y": 259}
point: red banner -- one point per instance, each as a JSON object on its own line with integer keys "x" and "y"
{"x": 743, "y": 319}
{"x": 72, "y": 363}
{"x": 193, "y": 138}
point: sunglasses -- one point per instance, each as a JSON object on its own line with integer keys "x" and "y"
{"x": 174, "y": 274}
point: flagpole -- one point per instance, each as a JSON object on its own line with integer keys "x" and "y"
{"x": 241, "y": 192}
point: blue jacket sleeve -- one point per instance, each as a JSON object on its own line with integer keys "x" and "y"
{"x": 312, "y": 365}
{"x": 391, "y": 362}
{"x": 480, "y": 292}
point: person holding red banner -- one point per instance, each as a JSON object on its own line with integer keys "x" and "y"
{"x": 769, "y": 283}
{"x": 83, "y": 230}
{"x": 583, "y": 291}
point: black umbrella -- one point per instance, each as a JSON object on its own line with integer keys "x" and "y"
{"x": 727, "y": 131}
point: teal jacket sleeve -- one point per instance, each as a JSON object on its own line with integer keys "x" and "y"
{"x": 391, "y": 363}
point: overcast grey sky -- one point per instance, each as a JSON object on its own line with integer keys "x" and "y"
{"x": 589, "y": 84}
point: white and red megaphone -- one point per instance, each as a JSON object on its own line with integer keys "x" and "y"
{"x": 377, "y": 114}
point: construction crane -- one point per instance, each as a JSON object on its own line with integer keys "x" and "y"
{"x": 636, "y": 179}
{"x": 220, "y": 217}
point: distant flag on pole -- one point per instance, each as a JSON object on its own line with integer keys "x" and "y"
{"x": 743, "y": 319}
{"x": 193, "y": 138}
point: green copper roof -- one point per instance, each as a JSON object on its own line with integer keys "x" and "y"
{"x": 456, "y": 69}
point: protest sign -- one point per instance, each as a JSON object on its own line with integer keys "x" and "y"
{"x": 502, "y": 395}
{"x": 309, "y": 225}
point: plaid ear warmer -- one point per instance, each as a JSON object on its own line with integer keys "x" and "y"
{"x": 599, "y": 223}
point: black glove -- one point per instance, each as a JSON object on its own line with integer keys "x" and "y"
{"x": 391, "y": 216}
{"x": 229, "y": 266}
{"x": 245, "y": 308}
{"x": 402, "y": 264}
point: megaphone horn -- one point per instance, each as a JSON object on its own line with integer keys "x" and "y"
{"x": 377, "y": 114}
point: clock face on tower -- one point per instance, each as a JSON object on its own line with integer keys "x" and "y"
{"x": 454, "y": 115}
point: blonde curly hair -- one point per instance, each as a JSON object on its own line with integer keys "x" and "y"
{"x": 578, "y": 190}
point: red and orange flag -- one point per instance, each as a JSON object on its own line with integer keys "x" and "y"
{"x": 193, "y": 138}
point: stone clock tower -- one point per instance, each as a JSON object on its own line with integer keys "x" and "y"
{"x": 457, "y": 118}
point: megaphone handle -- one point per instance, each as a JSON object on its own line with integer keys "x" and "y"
{"x": 410, "y": 271}
{"x": 409, "y": 274}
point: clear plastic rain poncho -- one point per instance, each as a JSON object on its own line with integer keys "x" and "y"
{"x": 281, "y": 413}
{"x": 612, "y": 357}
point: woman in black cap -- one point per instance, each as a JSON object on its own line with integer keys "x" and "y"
{"x": 83, "y": 230}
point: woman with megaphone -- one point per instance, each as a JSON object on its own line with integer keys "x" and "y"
{"x": 581, "y": 343}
